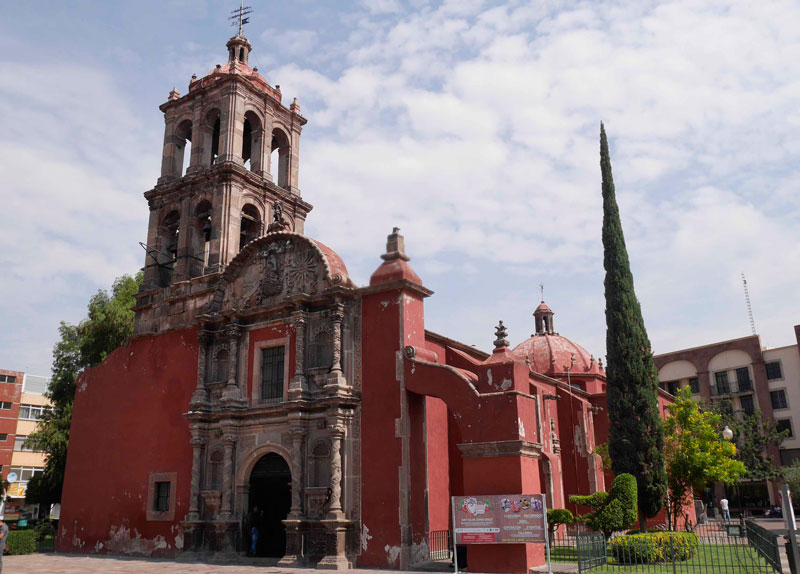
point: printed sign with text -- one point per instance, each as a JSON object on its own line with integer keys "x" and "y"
{"x": 499, "y": 519}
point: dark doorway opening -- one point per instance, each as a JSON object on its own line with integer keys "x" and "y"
{"x": 270, "y": 490}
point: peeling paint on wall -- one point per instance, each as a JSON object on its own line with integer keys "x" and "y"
{"x": 420, "y": 552}
{"x": 521, "y": 428}
{"x": 392, "y": 553}
{"x": 124, "y": 541}
{"x": 506, "y": 384}
{"x": 365, "y": 537}
{"x": 489, "y": 376}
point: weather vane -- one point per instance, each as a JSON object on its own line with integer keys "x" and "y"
{"x": 241, "y": 16}
{"x": 541, "y": 288}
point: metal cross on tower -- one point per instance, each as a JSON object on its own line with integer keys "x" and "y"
{"x": 241, "y": 16}
{"x": 541, "y": 288}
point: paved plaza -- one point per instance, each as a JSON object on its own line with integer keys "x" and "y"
{"x": 49, "y": 563}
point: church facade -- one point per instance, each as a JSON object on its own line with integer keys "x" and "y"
{"x": 259, "y": 375}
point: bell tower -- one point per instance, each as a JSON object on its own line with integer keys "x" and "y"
{"x": 230, "y": 156}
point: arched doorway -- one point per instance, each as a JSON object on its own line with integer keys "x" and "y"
{"x": 270, "y": 490}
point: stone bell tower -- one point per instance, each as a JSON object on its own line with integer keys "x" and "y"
{"x": 230, "y": 157}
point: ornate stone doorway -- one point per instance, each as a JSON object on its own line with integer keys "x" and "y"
{"x": 270, "y": 490}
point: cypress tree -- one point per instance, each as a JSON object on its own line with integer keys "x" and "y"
{"x": 636, "y": 436}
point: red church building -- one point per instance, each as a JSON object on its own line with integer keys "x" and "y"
{"x": 260, "y": 375}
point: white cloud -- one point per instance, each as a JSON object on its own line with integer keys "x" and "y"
{"x": 474, "y": 127}
{"x": 73, "y": 164}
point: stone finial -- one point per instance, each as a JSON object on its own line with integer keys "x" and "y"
{"x": 501, "y": 332}
{"x": 295, "y": 107}
{"x": 395, "y": 246}
{"x": 174, "y": 94}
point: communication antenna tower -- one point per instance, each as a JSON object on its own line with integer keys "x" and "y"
{"x": 749, "y": 307}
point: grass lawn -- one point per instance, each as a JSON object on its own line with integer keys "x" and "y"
{"x": 708, "y": 559}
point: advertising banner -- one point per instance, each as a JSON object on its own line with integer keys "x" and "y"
{"x": 17, "y": 489}
{"x": 499, "y": 519}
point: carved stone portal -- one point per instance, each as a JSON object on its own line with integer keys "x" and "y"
{"x": 283, "y": 266}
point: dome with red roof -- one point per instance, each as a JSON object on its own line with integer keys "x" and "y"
{"x": 551, "y": 354}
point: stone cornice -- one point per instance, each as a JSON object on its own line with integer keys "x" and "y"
{"x": 191, "y": 183}
{"x": 402, "y": 284}
{"x": 501, "y": 448}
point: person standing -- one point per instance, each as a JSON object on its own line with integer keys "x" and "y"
{"x": 3, "y": 540}
{"x": 252, "y": 525}
{"x": 723, "y": 506}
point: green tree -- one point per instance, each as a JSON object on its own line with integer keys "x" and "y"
{"x": 754, "y": 436}
{"x": 697, "y": 454}
{"x": 636, "y": 436}
{"x": 615, "y": 509}
{"x": 555, "y": 518}
{"x": 791, "y": 475}
{"x": 108, "y": 325}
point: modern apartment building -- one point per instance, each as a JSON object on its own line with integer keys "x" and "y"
{"x": 22, "y": 403}
{"x": 752, "y": 377}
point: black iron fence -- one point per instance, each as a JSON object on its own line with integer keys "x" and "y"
{"x": 710, "y": 549}
{"x": 765, "y": 542}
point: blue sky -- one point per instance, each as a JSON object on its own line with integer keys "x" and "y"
{"x": 471, "y": 125}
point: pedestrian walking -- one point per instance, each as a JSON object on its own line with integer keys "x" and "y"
{"x": 723, "y": 506}
{"x": 3, "y": 540}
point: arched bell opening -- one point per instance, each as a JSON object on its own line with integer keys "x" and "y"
{"x": 252, "y": 137}
{"x": 250, "y": 227}
{"x": 279, "y": 157}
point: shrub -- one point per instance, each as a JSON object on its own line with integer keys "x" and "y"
{"x": 43, "y": 529}
{"x": 555, "y": 518}
{"x": 21, "y": 542}
{"x": 616, "y": 510}
{"x": 653, "y": 547}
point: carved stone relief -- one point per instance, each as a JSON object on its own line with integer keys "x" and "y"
{"x": 283, "y": 267}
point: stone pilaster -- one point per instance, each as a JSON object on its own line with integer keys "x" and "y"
{"x": 298, "y": 439}
{"x": 337, "y": 316}
{"x": 198, "y": 442}
{"x": 298, "y": 383}
{"x": 293, "y": 522}
{"x": 336, "y": 383}
{"x": 231, "y": 393}
{"x": 335, "y": 508}
{"x": 229, "y": 441}
{"x": 200, "y": 396}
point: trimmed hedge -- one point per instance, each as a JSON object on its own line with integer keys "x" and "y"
{"x": 653, "y": 547}
{"x": 21, "y": 542}
{"x": 614, "y": 511}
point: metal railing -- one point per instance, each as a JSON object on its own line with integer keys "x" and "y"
{"x": 440, "y": 545}
{"x": 765, "y": 542}
{"x": 710, "y": 549}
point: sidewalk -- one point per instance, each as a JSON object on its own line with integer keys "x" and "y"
{"x": 81, "y": 564}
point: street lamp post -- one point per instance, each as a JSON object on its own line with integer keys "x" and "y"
{"x": 727, "y": 434}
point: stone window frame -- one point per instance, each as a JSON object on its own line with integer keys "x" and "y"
{"x": 255, "y": 383}
{"x": 172, "y": 478}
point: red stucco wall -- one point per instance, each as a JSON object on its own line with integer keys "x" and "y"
{"x": 128, "y": 422}
{"x": 438, "y": 464}
{"x": 380, "y": 448}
